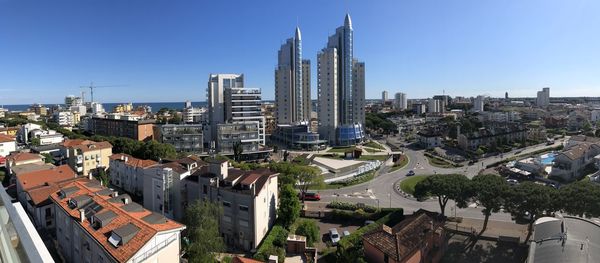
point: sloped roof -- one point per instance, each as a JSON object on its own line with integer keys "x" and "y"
{"x": 40, "y": 177}
{"x": 23, "y": 156}
{"x": 121, "y": 224}
{"x": 132, "y": 161}
{"x": 6, "y": 138}
{"x": 86, "y": 145}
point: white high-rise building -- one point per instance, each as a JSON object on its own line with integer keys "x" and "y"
{"x": 400, "y": 101}
{"x": 384, "y": 96}
{"x": 72, "y": 100}
{"x": 478, "y": 103}
{"x": 341, "y": 89}
{"x": 543, "y": 97}
{"x": 292, "y": 83}
{"x": 434, "y": 106}
{"x": 234, "y": 113}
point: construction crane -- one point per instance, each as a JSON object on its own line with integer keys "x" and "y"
{"x": 92, "y": 87}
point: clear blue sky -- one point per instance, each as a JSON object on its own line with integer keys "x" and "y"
{"x": 164, "y": 50}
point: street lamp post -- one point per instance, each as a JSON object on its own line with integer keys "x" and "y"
{"x": 390, "y": 195}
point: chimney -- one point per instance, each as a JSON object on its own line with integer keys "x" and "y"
{"x": 81, "y": 215}
{"x": 126, "y": 158}
{"x": 90, "y": 175}
{"x": 126, "y": 200}
{"x": 115, "y": 194}
{"x": 100, "y": 182}
{"x": 122, "y": 157}
{"x": 218, "y": 168}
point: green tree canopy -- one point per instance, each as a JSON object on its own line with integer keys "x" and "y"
{"x": 445, "y": 187}
{"x": 289, "y": 206}
{"x": 580, "y": 198}
{"x": 489, "y": 191}
{"x": 202, "y": 220}
{"x": 310, "y": 230}
{"x": 533, "y": 199}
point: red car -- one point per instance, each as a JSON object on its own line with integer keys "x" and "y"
{"x": 310, "y": 196}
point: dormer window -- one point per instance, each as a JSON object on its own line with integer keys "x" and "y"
{"x": 120, "y": 236}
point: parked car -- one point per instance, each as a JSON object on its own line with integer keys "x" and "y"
{"x": 512, "y": 181}
{"x": 410, "y": 173}
{"x": 334, "y": 236}
{"x": 473, "y": 161}
{"x": 310, "y": 196}
{"x": 345, "y": 233}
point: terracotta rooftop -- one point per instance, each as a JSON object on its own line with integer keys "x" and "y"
{"x": 244, "y": 260}
{"x": 578, "y": 150}
{"x": 236, "y": 178}
{"x": 6, "y": 138}
{"x": 23, "y": 156}
{"x": 41, "y": 177}
{"x": 41, "y": 194}
{"x": 401, "y": 240}
{"x": 132, "y": 161}
{"x": 134, "y": 228}
{"x": 86, "y": 145}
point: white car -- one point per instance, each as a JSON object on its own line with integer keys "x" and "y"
{"x": 334, "y": 236}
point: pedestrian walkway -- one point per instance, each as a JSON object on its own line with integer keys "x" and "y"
{"x": 494, "y": 229}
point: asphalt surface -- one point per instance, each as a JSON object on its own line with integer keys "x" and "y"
{"x": 380, "y": 191}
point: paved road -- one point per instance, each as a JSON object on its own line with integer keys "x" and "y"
{"x": 380, "y": 191}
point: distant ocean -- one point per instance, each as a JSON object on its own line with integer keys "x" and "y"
{"x": 109, "y": 106}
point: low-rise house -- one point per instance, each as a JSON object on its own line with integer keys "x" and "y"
{"x": 127, "y": 172}
{"x": 164, "y": 189}
{"x": 429, "y": 139}
{"x": 571, "y": 163}
{"x": 8, "y": 144}
{"x": 11, "y": 131}
{"x": 19, "y": 158}
{"x": 33, "y": 189}
{"x": 86, "y": 156}
{"x": 249, "y": 199}
{"x": 418, "y": 238}
{"x": 96, "y": 224}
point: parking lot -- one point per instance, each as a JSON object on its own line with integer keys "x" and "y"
{"x": 325, "y": 224}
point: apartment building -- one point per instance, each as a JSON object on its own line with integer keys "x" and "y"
{"x": 184, "y": 137}
{"x": 8, "y": 144}
{"x": 400, "y": 101}
{"x": 493, "y": 134}
{"x": 122, "y": 126}
{"x": 164, "y": 190}
{"x": 86, "y": 156}
{"x": 34, "y": 188}
{"x": 193, "y": 115}
{"x": 96, "y": 224}
{"x": 341, "y": 89}
{"x": 249, "y": 199}
{"x": 571, "y": 163}
{"x": 234, "y": 114}
{"x": 64, "y": 118}
{"x": 127, "y": 172}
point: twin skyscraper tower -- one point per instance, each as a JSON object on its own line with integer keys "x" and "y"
{"x": 340, "y": 87}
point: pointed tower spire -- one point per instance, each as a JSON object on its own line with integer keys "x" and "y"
{"x": 298, "y": 35}
{"x": 348, "y": 21}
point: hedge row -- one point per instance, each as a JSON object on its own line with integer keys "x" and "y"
{"x": 351, "y": 206}
{"x": 273, "y": 244}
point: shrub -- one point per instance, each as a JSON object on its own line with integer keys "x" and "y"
{"x": 351, "y": 206}
{"x": 310, "y": 230}
{"x": 273, "y": 244}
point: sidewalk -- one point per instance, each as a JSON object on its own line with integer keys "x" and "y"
{"x": 494, "y": 228}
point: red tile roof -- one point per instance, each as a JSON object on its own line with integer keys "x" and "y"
{"x": 6, "y": 138}
{"x": 22, "y": 156}
{"x": 244, "y": 260}
{"x": 124, "y": 252}
{"x": 401, "y": 240}
{"x": 86, "y": 145}
{"x": 42, "y": 193}
{"x": 41, "y": 177}
{"x": 132, "y": 161}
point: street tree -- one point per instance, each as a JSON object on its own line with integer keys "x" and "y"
{"x": 202, "y": 221}
{"x": 444, "y": 187}
{"x": 308, "y": 177}
{"x": 489, "y": 191}
{"x": 530, "y": 201}
{"x": 580, "y": 198}
{"x": 289, "y": 206}
{"x": 310, "y": 230}
{"x": 238, "y": 149}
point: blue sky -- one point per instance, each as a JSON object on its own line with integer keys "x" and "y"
{"x": 164, "y": 50}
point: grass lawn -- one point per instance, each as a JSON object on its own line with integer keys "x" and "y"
{"x": 439, "y": 163}
{"x": 371, "y": 150}
{"x": 408, "y": 184}
{"x": 341, "y": 149}
{"x": 375, "y": 145}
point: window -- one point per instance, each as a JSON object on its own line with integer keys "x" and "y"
{"x": 243, "y": 223}
{"x": 227, "y": 219}
{"x": 244, "y": 208}
{"x": 226, "y": 204}
{"x": 204, "y": 189}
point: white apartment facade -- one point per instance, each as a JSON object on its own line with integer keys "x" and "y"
{"x": 400, "y": 101}
{"x": 8, "y": 144}
{"x": 127, "y": 172}
{"x": 478, "y": 103}
{"x": 543, "y": 97}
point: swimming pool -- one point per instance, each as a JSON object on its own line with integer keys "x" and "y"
{"x": 548, "y": 158}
